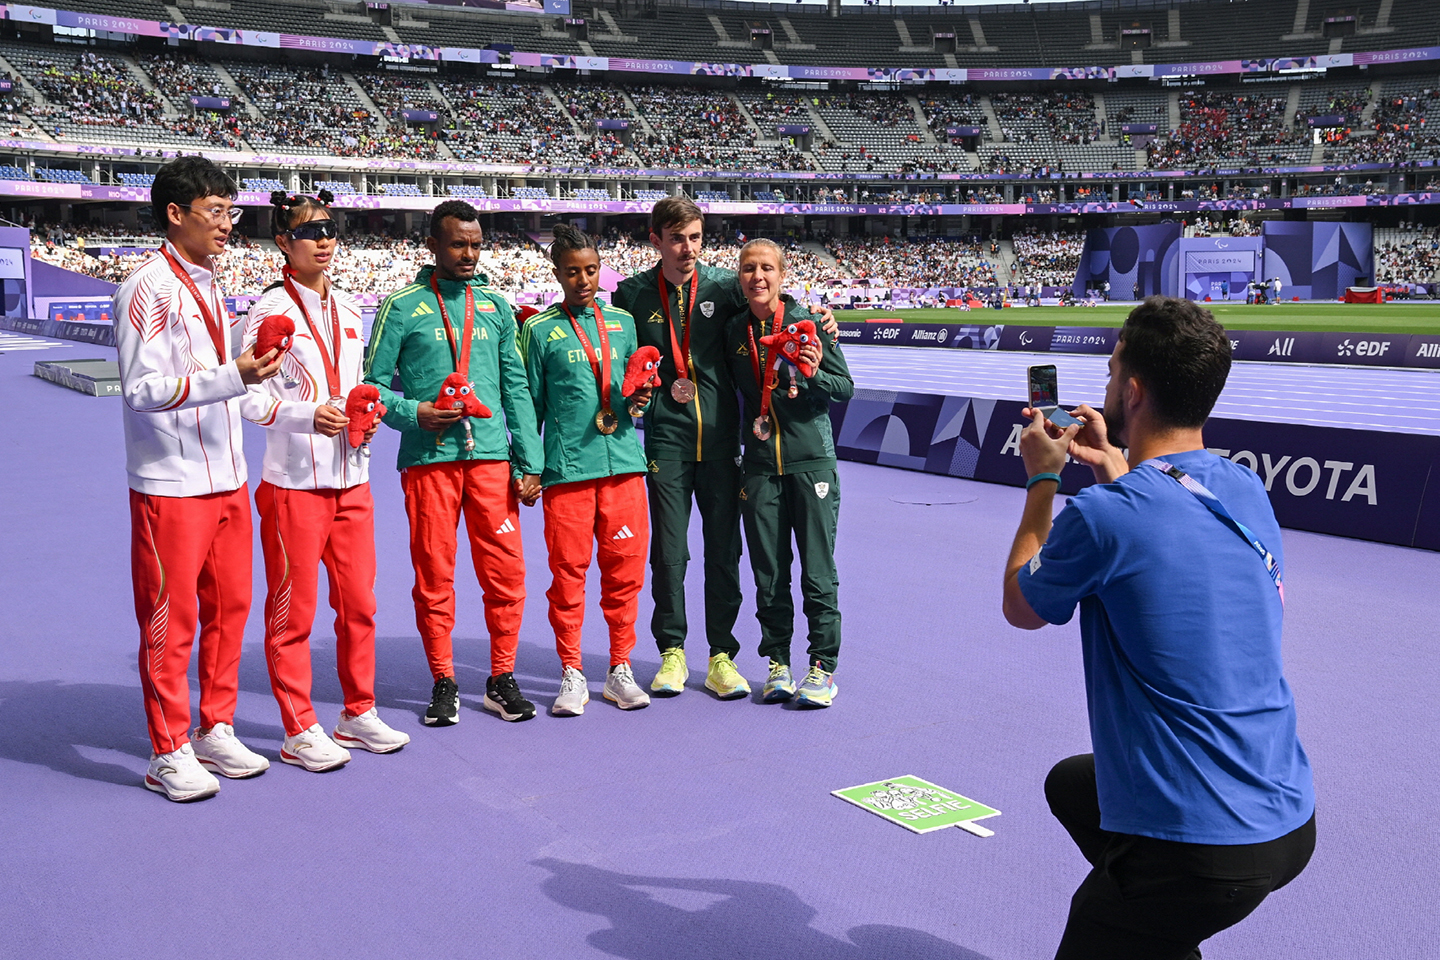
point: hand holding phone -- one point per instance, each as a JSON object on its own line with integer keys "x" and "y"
{"x": 1045, "y": 396}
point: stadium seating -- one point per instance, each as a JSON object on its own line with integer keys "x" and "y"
{"x": 466, "y": 191}
{"x": 400, "y": 190}
{"x": 529, "y": 193}
{"x": 262, "y": 184}
{"x": 336, "y": 187}
{"x": 650, "y": 195}
{"x": 590, "y": 194}
{"x": 128, "y": 179}
{"x": 61, "y": 176}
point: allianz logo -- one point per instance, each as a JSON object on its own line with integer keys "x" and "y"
{"x": 1431, "y": 350}
{"x": 938, "y": 336}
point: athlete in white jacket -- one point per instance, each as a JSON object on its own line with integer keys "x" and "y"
{"x": 189, "y": 505}
{"x": 314, "y": 501}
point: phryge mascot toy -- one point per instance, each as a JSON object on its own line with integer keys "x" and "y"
{"x": 457, "y": 394}
{"x": 363, "y": 407}
{"x": 786, "y": 347}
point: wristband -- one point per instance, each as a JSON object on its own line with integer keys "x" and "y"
{"x": 1042, "y": 476}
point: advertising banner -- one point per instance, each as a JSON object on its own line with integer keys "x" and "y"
{"x": 1126, "y": 256}
{"x": 1350, "y": 483}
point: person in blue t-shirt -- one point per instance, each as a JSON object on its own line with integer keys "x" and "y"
{"x": 1197, "y": 801}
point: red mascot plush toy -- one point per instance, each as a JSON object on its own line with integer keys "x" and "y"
{"x": 363, "y": 407}
{"x": 457, "y": 394}
{"x": 787, "y": 343}
{"x": 642, "y": 371}
{"x": 277, "y": 332}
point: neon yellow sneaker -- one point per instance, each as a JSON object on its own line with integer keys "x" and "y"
{"x": 673, "y": 673}
{"x": 724, "y": 679}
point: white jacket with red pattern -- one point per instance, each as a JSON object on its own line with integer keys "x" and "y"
{"x": 300, "y": 459}
{"x": 183, "y": 402}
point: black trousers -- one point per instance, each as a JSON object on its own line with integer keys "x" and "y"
{"x": 1149, "y": 899}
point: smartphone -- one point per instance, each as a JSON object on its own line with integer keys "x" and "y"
{"x": 1045, "y": 396}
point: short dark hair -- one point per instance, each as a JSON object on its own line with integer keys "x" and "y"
{"x": 673, "y": 212}
{"x": 185, "y": 180}
{"x": 458, "y": 209}
{"x": 1180, "y": 354}
{"x": 568, "y": 238}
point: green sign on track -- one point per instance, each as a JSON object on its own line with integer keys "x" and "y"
{"x": 918, "y": 805}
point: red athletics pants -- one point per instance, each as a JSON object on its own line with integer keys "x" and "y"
{"x": 182, "y": 548}
{"x": 299, "y": 530}
{"x": 436, "y": 494}
{"x": 610, "y": 512}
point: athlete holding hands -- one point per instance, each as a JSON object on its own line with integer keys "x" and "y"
{"x": 450, "y": 322}
{"x": 314, "y": 501}
{"x": 576, "y": 354}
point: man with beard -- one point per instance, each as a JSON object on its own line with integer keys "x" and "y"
{"x": 1198, "y": 800}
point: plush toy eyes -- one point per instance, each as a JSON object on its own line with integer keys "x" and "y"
{"x": 284, "y": 341}
{"x": 464, "y": 391}
{"x": 369, "y": 406}
{"x": 650, "y": 365}
{"x": 449, "y": 391}
{"x": 804, "y": 338}
{"x": 792, "y": 329}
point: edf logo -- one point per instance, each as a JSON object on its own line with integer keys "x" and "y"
{"x": 1362, "y": 348}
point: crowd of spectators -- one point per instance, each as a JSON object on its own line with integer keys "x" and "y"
{"x": 1222, "y": 127}
{"x": 913, "y": 262}
{"x": 1047, "y": 258}
{"x": 1407, "y": 255}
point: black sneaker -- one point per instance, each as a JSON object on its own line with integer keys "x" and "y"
{"x": 444, "y": 704}
{"x": 503, "y": 696}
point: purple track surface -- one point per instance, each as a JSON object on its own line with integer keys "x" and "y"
{"x": 692, "y": 829}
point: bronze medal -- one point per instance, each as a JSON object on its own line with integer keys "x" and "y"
{"x": 606, "y": 421}
{"x": 762, "y": 428}
{"x": 682, "y": 390}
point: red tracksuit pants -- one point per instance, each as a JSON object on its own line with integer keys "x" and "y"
{"x": 610, "y": 512}
{"x": 181, "y": 549}
{"x": 436, "y": 496}
{"x": 299, "y": 530}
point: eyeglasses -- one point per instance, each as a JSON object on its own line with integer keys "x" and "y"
{"x": 315, "y": 230}
{"x": 217, "y": 213}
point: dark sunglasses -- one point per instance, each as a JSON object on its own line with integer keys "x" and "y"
{"x": 316, "y": 230}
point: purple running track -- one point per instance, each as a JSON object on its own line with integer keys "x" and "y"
{"x": 692, "y": 829}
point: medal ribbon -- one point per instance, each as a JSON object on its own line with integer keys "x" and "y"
{"x": 216, "y": 337}
{"x": 601, "y": 367}
{"x": 766, "y": 385}
{"x": 332, "y": 369}
{"x": 462, "y": 359}
{"x": 681, "y": 352}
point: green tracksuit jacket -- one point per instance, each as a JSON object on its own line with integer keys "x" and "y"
{"x": 706, "y": 428}
{"x": 409, "y": 338}
{"x": 567, "y": 397}
{"x": 801, "y": 439}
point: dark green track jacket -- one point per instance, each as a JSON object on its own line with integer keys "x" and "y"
{"x": 706, "y": 428}
{"x": 409, "y": 338}
{"x": 801, "y": 439}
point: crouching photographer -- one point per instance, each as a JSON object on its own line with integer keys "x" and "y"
{"x": 1197, "y": 802}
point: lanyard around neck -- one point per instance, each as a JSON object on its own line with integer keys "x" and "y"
{"x": 462, "y": 358}
{"x": 681, "y": 352}
{"x": 216, "y": 337}
{"x": 332, "y": 367}
{"x": 600, "y": 365}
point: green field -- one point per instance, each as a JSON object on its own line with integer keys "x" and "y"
{"x": 1345, "y": 318}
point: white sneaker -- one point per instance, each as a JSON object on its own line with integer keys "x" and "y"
{"x": 220, "y": 751}
{"x": 180, "y": 777}
{"x": 369, "y": 732}
{"x": 622, "y": 690}
{"x": 314, "y": 751}
{"x": 574, "y": 694}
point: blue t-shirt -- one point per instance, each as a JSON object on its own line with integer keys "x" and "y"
{"x": 1192, "y": 722}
